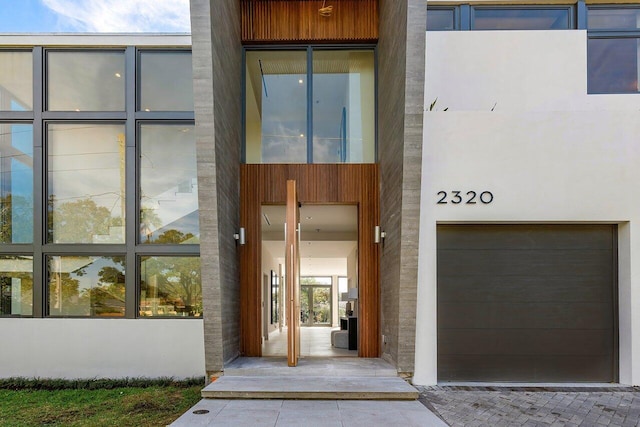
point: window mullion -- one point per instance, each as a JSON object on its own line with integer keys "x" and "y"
{"x": 309, "y": 105}
{"x": 39, "y": 195}
{"x": 131, "y": 199}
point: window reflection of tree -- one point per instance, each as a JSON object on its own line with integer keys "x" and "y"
{"x": 11, "y": 277}
{"x": 171, "y": 286}
{"x": 105, "y": 296}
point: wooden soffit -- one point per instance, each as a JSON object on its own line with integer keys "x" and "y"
{"x": 309, "y": 21}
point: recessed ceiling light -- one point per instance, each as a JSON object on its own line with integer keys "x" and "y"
{"x": 146, "y": 109}
{"x": 300, "y": 81}
{"x": 309, "y": 217}
{"x": 118, "y": 75}
{"x": 77, "y": 109}
{"x": 302, "y": 135}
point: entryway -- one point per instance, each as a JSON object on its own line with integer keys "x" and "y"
{"x": 330, "y": 186}
{"x": 328, "y": 251}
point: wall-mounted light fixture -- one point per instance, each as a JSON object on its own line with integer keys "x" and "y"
{"x": 240, "y": 236}
{"x": 378, "y": 234}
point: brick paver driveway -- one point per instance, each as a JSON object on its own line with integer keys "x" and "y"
{"x": 533, "y": 407}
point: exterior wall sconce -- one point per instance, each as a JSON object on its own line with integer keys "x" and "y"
{"x": 378, "y": 235}
{"x": 240, "y": 238}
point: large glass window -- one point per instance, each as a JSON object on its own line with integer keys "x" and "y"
{"x": 614, "y": 18}
{"x": 93, "y": 174}
{"x": 16, "y": 183}
{"x": 613, "y": 65}
{"x": 166, "y": 81}
{"x": 85, "y": 81}
{"x": 613, "y": 50}
{"x": 86, "y": 286}
{"x": 170, "y": 286}
{"x": 86, "y": 183}
{"x": 16, "y": 81}
{"x": 522, "y": 18}
{"x": 16, "y": 285}
{"x": 276, "y": 106}
{"x": 343, "y": 106}
{"x": 441, "y": 19}
{"x": 168, "y": 184}
{"x": 321, "y": 114}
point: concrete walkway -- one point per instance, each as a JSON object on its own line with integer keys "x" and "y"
{"x": 308, "y": 413}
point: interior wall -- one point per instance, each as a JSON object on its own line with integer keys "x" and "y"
{"x": 401, "y": 51}
{"x": 217, "y": 63}
{"x": 269, "y": 263}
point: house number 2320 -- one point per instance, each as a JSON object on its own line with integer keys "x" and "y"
{"x": 468, "y": 198}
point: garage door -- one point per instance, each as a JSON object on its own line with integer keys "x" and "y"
{"x": 530, "y": 303}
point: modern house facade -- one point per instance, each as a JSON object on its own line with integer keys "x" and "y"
{"x": 100, "y": 254}
{"x": 463, "y": 179}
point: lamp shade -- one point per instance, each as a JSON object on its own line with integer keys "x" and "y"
{"x": 353, "y": 293}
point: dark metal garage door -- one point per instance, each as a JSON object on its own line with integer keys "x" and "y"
{"x": 530, "y": 303}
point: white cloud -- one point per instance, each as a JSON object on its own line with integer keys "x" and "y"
{"x": 122, "y": 16}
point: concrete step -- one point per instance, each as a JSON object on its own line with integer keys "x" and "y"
{"x": 310, "y": 388}
{"x": 311, "y": 366}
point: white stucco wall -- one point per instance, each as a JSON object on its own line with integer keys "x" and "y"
{"x": 101, "y": 348}
{"x": 548, "y": 152}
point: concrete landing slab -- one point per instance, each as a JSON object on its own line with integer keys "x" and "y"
{"x": 311, "y": 366}
{"x": 309, "y": 387}
{"x": 308, "y": 413}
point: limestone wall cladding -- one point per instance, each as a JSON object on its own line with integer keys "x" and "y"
{"x": 217, "y": 68}
{"x": 400, "y": 91}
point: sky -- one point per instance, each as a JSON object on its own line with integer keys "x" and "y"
{"x": 102, "y": 16}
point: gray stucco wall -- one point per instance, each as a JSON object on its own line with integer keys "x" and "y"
{"x": 217, "y": 63}
{"x": 401, "y": 51}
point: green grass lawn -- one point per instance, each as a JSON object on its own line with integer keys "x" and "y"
{"x": 127, "y": 406}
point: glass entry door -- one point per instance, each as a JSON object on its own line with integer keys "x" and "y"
{"x": 315, "y": 305}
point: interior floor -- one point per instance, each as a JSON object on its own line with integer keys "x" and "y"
{"x": 314, "y": 341}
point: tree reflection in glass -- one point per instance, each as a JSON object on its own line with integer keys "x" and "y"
{"x": 86, "y": 183}
{"x": 168, "y": 185}
{"x": 16, "y": 183}
{"x": 170, "y": 286}
{"x": 86, "y": 286}
{"x": 16, "y": 285}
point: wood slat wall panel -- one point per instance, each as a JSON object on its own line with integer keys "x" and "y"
{"x": 249, "y": 312}
{"x": 300, "y": 21}
{"x": 321, "y": 184}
